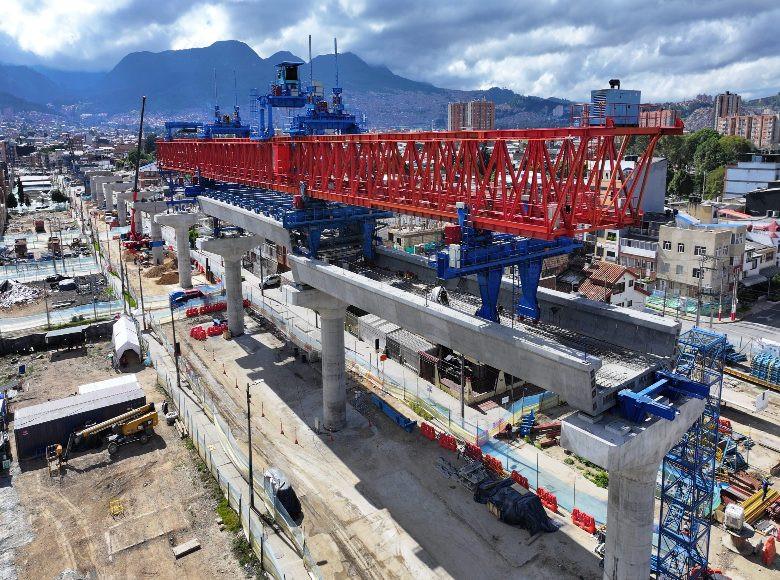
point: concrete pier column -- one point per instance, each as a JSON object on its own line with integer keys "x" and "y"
{"x": 334, "y": 387}
{"x": 332, "y": 313}
{"x": 139, "y": 222}
{"x": 631, "y": 505}
{"x": 181, "y": 222}
{"x": 157, "y": 242}
{"x": 632, "y": 454}
{"x": 232, "y": 250}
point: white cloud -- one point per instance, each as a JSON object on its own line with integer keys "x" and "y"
{"x": 202, "y": 25}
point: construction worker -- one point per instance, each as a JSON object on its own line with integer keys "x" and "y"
{"x": 765, "y": 488}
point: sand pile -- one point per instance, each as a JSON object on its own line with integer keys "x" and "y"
{"x": 155, "y": 271}
{"x": 168, "y": 278}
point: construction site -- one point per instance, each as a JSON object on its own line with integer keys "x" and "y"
{"x": 297, "y": 384}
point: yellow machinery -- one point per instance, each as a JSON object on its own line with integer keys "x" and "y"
{"x": 134, "y": 425}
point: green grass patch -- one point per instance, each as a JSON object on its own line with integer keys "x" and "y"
{"x": 420, "y": 410}
{"x": 568, "y": 461}
{"x": 130, "y": 300}
{"x": 229, "y": 516}
{"x": 244, "y": 553}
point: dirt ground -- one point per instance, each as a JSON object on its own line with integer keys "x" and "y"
{"x": 55, "y": 296}
{"x": 377, "y": 500}
{"x": 163, "y": 498}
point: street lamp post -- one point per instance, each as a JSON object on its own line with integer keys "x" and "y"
{"x": 176, "y": 350}
{"x": 249, "y": 437}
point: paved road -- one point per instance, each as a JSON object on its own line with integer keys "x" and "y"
{"x": 764, "y": 323}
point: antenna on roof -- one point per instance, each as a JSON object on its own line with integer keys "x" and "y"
{"x": 215, "y": 85}
{"x": 336, "y": 53}
{"x": 311, "y": 66}
{"x": 235, "y": 88}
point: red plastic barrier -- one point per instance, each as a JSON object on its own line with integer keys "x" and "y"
{"x": 548, "y": 500}
{"x": 584, "y": 521}
{"x": 215, "y": 307}
{"x": 428, "y": 431}
{"x": 493, "y": 464}
{"x": 216, "y": 329}
{"x": 769, "y": 552}
{"x": 246, "y": 303}
{"x": 519, "y": 479}
{"x": 472, "y": 451}
{"x": 198, "y": 333}
{"x": 448, "y": 442}
{"x": 724, "y": 426}
{"x": 191, "y": 312}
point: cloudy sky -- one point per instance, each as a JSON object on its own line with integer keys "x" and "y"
{"x": 670, "y": 49}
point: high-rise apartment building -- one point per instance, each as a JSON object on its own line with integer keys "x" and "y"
{"x": 726, "y": 104}
{"x": 476, "y": 115}
{"x": 762, "y": 130}
{"x": 456, "y": 116}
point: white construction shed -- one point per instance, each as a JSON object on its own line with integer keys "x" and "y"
{"x": 126, "y": 342}
{"x": 126, "y": 381}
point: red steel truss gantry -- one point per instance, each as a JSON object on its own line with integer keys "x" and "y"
{"x": 540, "y": 183}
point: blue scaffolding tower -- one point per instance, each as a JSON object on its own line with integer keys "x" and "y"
{"x": 688, "y": 470}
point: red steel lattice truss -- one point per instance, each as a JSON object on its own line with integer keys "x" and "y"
{"x": 541, "y": 183}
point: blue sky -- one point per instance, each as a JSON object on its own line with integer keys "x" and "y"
{"x": 669, "y": 49}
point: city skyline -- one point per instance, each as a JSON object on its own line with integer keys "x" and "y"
{"x": 547, "y": 50}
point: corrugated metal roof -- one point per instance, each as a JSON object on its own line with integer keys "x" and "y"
{"x": 411, "y": 340}
{"x": 65, "y": 331}
{"x": 52, "y": 410}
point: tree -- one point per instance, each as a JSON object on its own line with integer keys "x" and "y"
{"x": 734, "y": 146}
{"x": 150, "y": 143}
{"x": 709, "y": 155}
{"x": 673, "y": 148}
{"x": 681, "y": 184}
{"x": 133, "y": 155}
{"x": 10, "y": 201}
{"x": 20, "y": 190}
{"x": 713, "y": 183}
{"x": 58, "y": 197}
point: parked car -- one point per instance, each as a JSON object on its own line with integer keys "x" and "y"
{"x": 180, "y": 297}
{"x": 272, "y": 281}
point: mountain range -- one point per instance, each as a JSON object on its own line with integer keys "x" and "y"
{"x": 183, "y": 83}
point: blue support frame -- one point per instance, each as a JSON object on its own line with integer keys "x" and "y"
{"x": 298, "y": 213}
{"x": 635, "y": 406}
{"x": 688, "y": 470}
{"x": 486, "y": 254}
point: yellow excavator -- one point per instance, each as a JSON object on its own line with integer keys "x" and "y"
{"x": 134, "y": 425}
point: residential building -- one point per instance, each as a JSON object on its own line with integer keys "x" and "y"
{"x": 751, "y": 173}
{"x": 613, "y": 284}
{"x": 726, "y": 104}
{"x": 758, "y": 259}
{"x": 762, "y": 130}
{"x": 481, "y": 115}
{"x": 456, "y": 116}
{"x": 660, "y": 118}
{"x": 707, "y": 256}
{"x": 476, "y": 115}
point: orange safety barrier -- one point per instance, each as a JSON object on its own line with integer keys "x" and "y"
{"x": 428, "y": 431}
{"x": 584, "y": 521}
{"x": 519, "y": 479}
{"x": 448, "y": 442}
{"x": 472, "y": 451}
{"x": 548, "y": 500}
{"x": 493, "y": 464}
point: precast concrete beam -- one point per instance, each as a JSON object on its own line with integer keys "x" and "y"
{"x": 181, "y": 223}
{"x": 632, "y": 455}
{"x": 543, "y": 362}
{"x": 232, "y": 250}
{"x": 152, "y": 208}
{"x": 332, "y": 313}
{"x": 110, "y": 191}
{"x": 623, "y": 327}
{"x": 123, "y": 201}
{"x": 252, "y": 222}
{"x": 96, "y": 186}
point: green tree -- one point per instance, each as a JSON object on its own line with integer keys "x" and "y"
{"x": 10, "y": 201}
{"x": 20, "y": 190}
{"x": 734, "y": 146}
{"x": 709, "y": 155}
{"x": 58, "y": 197}
{"x": 150, "y": 143}
{"x": 133, "y": 155}
{"x": 681, "y": 184}
{"x": 673, "y": 148}
{"x": 713, "y": 183}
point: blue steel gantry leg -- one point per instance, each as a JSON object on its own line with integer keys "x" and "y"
{"x": 529, "y": 273}
{"x": 489, "y": 287}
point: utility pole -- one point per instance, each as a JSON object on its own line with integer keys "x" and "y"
{"x": 698, "y": 290}
{"x": 141, "y": 290}
{"x": 462, "y": 392}
{"x": 249, "y": 437}
{"x": 46, "y": 302}
{"x": 175, "y": 348}
{"x": 122, "y": 282}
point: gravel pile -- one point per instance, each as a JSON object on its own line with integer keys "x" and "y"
{"x": 12, "y": 293}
